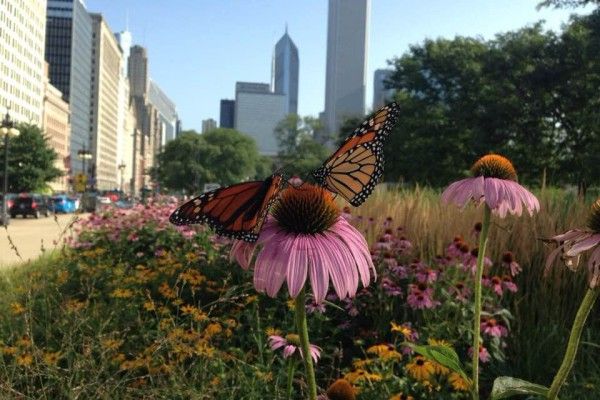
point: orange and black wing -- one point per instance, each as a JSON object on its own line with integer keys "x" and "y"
{"x": 236, "y": 211}
{"x": 354, "y": 169}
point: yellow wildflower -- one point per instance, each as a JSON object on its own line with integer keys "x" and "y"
{"x": 405, "y": 330}
{"x": 360, "y": 375}
{"x": 51, "y": 358}
{"x": 24, "y": 341}
{"x": 359, "y": 364}
{"x": 251, "y": 299}
{"x": 166, "y": 291}
{"x": 17, "y": 308}
{"x": 122, "y": 293}
{"x": 149, "y": 305}
{"x": 74, "y": 305}
{"x": 420, "y": 369}
{"x": 384, "y": 351}
{"x": 62, "y": 277}
{"x": 24, "y": 359}
{"x": 212, "y": 329}
{"x": 270, "y": 331}
{"x": 9, "y": 350}
{"x": 457, "y": 382}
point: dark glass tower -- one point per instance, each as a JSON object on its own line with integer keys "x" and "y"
{"x": 69, "y": 55}
{"x": 285, "y": 71}
{"x": 227, "y": 114}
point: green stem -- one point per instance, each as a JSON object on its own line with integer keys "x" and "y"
{"x": 290, "y": 378}
{"x": 563, "y": 372}
{"x": 305, "y": 344}
{"x": 483, "y": 239}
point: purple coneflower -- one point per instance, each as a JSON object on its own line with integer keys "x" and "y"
{"x": 306, "y": 237}
{"x": 484, "y": 354}
{"x": 291, "y": 344}
{"x": 571, "y": 245}
{"x": 495, "y": 183}
{"x": 493, "y": 328}
{"x": 420, "y": 297}
{"x": 508, "y": 261}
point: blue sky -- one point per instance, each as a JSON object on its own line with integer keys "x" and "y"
{"x": 198, "y": 49}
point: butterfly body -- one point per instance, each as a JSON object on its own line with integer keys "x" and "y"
{"x": 354, "y": 169}
{"x": 236, "y": 211}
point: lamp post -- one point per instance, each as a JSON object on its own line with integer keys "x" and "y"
{"x": 7, "y": 129}
{"x": 122, "y": 171}
{"x": 83, "y": 155}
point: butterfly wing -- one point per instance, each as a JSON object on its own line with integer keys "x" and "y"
{"x": 354, "y": 169}
{"x": 236, "y": 211}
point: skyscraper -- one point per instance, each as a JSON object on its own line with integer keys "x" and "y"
{"x": 22, "y": 39}
{"x": 106, "y": 59}
{"x": 167, "y": 113}
{"x": 381, "y": 94}
{"x": 138, "y": 71}
{"x": 347, "y": 35}
{"x": 257, "y": 113}
{"x": 208, "y": 125}
{"x": 227, "y": 114}
{"x": 69, "y": 55}
{"x": 285, "y": 70}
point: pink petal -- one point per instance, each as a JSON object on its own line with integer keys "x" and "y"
{"x": 594, "y": 267}
{"x": 288, "y": 350}
{"x": 242, "y": 252}
{"x": 297, "y": 265}
{"x": 341, "y": 265}
{"x": 320, "y": 264}
{"x": 358, "y": 246}
{"x": 276, "y": 342}
{"x": 573, "y": 234}
{"x": 270, "y": 267}
{"x": 583, "y": 245}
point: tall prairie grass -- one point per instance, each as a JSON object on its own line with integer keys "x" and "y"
{"x": 545, "y": 306}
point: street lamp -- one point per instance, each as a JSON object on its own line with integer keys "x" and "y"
{"x": 7, "y": 128}
{"x": 83, "y": 155}
{"x": 122, "y": 170}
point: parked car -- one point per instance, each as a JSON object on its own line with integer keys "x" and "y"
{"x": 63, "y": 204}
{"x": 30, "y": 204}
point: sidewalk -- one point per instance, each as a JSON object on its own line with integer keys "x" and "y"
{"x": 30, "y": 236}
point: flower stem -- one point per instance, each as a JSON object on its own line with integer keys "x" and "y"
{"x": 584, "y": 310}
{"x": 483, "y": 239}
{"x": 290, "y": 378}
{"x": 302, "y": 327}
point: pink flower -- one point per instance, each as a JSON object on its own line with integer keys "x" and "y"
{"x": 573, "y": 243}
{"x": 493, "y": 328}
{"x": 508, "y": 261}
{"x": 495, "y": 283}
{"x": 484, "y": 355}
{"x": 427, "y": 275}
{"x": 494, "y": 183}
{"x": 420, "y": 297}
{"x": 461, "y": 291}
{"x": 508, "y": 284}
{"x": 306, "y": 238}
{"x": 291, "y": 344}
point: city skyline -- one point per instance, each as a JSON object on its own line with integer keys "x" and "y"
{"x": 220, "y": 43}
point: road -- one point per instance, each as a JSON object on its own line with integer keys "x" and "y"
{"x": 30, "y": 236}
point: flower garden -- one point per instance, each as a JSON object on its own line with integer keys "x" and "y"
{"x": 134, "y": 307}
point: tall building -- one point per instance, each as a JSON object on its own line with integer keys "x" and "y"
{"x": 106, "y": 61}
{"x": 22, "y": 38}
{"x": 167, "y": 113}
{"x": 208, "y": 125}
{"x": 257, "y": 113}
{"x": 227, "y": 114}
{"x": 57, "y": 129}
{"x": 285, "y": 70}
{"x": 347, "y": 41}
{"x": 381, "y": 94}
{"x": 125, "y": 40}
{"x": 69, "y": 55}
{"x": 138, "y": 71}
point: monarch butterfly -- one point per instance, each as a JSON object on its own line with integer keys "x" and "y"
{"x": 237, "y": 211}
{"x": 356, "y": 166}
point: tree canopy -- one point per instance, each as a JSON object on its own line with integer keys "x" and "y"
{"x": 30, "y": 160}
{"x": 224, "y": 156}
{"x": 299, "y": 152}
{"x": 530, "y": 95}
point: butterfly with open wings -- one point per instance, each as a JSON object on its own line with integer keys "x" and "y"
{"x": 352, "y": 171}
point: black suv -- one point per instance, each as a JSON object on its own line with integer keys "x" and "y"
{"x": 30, "y": 204}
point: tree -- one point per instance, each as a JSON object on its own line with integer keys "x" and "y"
{"x": 567, "y": 3}
{"x": 221, "y": 155}
{"x": 30, "y": 160}
{"x": 299, "y": 152}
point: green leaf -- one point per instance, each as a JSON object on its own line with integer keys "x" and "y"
{"x": 505, "y": 387}
{"x": 443, "y": 355}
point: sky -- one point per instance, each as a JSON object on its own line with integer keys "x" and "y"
{"x": 198, "y": 49}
